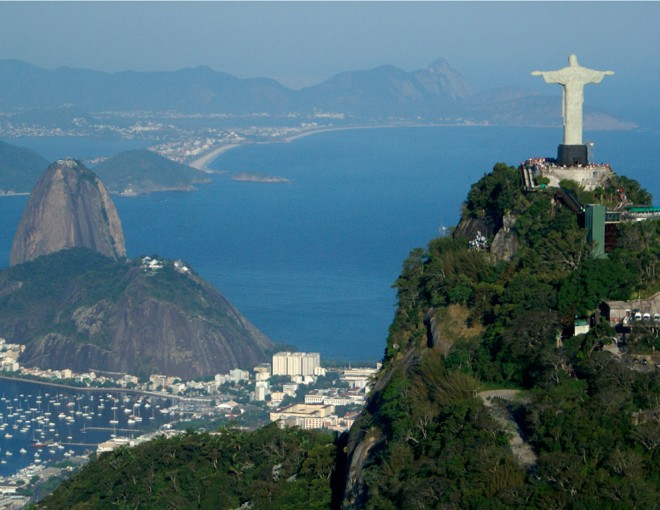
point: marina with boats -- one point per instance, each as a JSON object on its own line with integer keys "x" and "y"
{"x": 41, "y": 425}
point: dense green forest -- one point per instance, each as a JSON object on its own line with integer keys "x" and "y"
{"x": 468, "y": 321}
{"x": 271, "y": 468}
{"x": 38, "y": 295}
{"x": 592, "y": 418}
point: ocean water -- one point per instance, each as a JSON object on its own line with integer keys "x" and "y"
{"x": 311, "y": 262}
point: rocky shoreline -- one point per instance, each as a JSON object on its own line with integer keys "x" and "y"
{"x": 272, "y": 179}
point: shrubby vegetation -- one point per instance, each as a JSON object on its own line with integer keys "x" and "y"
{"x": 551, "y": 280}
{"x": 591, "y": 418}
{"x": 438, "y": 446}
{"x": 144, "y": 171}
{"x": 39, "y": 293}
{"x": 466, "y": 321}
{"x": 33, "y": 292}
{"x": 269, "y": 468}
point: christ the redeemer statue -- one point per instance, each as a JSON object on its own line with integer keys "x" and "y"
{"x": 573, "y": 79}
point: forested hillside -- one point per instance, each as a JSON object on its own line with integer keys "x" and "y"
{"x": 143, "y": 171}
{"x": 20, "y": 168}
{"x": 470, "y": 321}
{"x": 81, "y": 310}
{"x": 486, "y": 400}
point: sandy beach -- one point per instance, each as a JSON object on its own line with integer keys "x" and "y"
{"x": 330, "y": 129}
{"x": 204, "y": 161}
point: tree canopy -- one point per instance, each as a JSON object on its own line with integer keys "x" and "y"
{"x": 467, "y": 321}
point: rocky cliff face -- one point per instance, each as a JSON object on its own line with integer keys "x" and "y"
{"x": 505, "y": 242}
{"x": 69, "y": 207}
{"x": 74, "y": 304}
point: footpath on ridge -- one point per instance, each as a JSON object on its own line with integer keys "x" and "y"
{"x": 494, "y": 402}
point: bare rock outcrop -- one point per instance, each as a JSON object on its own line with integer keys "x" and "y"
{"x": 434, "y": 337}
{"x": 505, "y": 242}
{"x": 68, "y": 208}
{"x": 471, "y": 227}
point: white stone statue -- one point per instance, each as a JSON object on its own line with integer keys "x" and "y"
{"x": 573, "y": 79}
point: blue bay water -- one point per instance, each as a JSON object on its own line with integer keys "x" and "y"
{"x": 311, "y": 262}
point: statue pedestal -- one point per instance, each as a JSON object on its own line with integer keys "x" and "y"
{"x": 572, "y": 155}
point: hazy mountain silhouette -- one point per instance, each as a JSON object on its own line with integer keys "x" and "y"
{"x": 386, "y": 91}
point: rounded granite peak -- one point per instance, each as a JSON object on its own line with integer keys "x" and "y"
{"x": 69, "y": 207}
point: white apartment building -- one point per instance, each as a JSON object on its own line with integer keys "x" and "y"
{"x": 290, "y": 389}
{"x": 261, "y": 389}
{"x": 328, "y": 399}
{"x": 262, "y": 372}
{"x": 237, "y": 375}
{"x": 358, "y": 377}
{"x": 314, "y": 398}
{"x": 296, "y": 363}
{"x": 305, "y": 416}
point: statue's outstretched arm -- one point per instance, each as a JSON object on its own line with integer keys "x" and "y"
{"x": 551, "y": 76}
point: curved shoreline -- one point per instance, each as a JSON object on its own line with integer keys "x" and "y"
{"x": 202, "y": 163}
{"x": 350, "y": 128}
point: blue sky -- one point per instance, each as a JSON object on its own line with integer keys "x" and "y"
{"x": 302, "y": 43}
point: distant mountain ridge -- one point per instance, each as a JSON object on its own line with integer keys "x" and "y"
{"x": 384, "y": 92}
{"x": 389, "y": 90}
{"x": 19, "y": 168}
{"x": 198, "y": 89}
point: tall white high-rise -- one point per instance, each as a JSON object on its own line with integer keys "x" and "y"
{"x": 296, "y": 363}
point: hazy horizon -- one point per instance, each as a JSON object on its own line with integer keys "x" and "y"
{"x": 492, "y": 44}
{"x": 303, "y": 43}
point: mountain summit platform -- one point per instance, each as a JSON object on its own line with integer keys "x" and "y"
{"x": 589, "y": 176}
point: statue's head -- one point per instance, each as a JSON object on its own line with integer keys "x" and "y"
{"x": 572, "y": 60}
